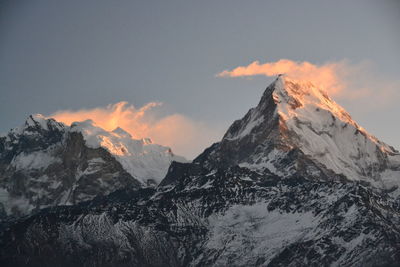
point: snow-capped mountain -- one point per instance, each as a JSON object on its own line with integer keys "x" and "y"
{"x": 141, "y": 158}
{"x": 295, "y": 182}
{"x": 297, "y": 116}
{"x": 45, "y": 163}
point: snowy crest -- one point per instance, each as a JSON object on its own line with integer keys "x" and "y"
{"x": 324, "y": 130}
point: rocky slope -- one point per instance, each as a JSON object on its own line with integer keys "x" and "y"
{"x": 294, "y": 183}
{"x": 45, "y": 163}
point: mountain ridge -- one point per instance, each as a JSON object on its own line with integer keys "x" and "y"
{"x": 255, "y": 200}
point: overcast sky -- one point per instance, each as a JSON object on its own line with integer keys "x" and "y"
{"x": 59, "y": 55}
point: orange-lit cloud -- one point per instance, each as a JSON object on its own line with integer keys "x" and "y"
{"x": 367, "y": 87}
{"x": 347, "y": 82}
{"x": 325, "y": 75}
{"x": 185, "y": 136}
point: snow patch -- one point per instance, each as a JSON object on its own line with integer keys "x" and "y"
{"x": 264, "y": 232}
{"x": 34, "y": 160}
{"x": 267, "y": 162}
{"x": 10, "y": 203}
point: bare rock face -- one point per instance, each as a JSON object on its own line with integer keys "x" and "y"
{"x": 295, "y": 182}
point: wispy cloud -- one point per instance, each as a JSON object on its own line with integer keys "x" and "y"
{"x": 343, "y": 80}
{"x": 324, "y": 75}
{"x": 184, "y": 135}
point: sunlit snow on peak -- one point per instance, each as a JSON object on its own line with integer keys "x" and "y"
{"x": 139, "y": 157}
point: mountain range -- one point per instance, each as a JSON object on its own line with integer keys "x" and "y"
{"x": 295, "y": 182}
{"x": 46, "y": 163}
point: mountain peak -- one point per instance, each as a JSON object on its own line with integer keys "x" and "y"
{"x": 121, "y": 132}
{"x": 37, "y": 123}
{"x": 35, "y": 119}
{"x": 298, "y": 118}
{"x": 291, "y": 94}
{"x": 144, "y": 160}
{"x": 304, "y": 101}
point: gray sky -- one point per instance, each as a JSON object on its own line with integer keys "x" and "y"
{"x": 57, "y": 55}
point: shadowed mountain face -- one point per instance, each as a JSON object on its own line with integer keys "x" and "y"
{"x": 45, "y": 163}
{"x": 295, "y": 182}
